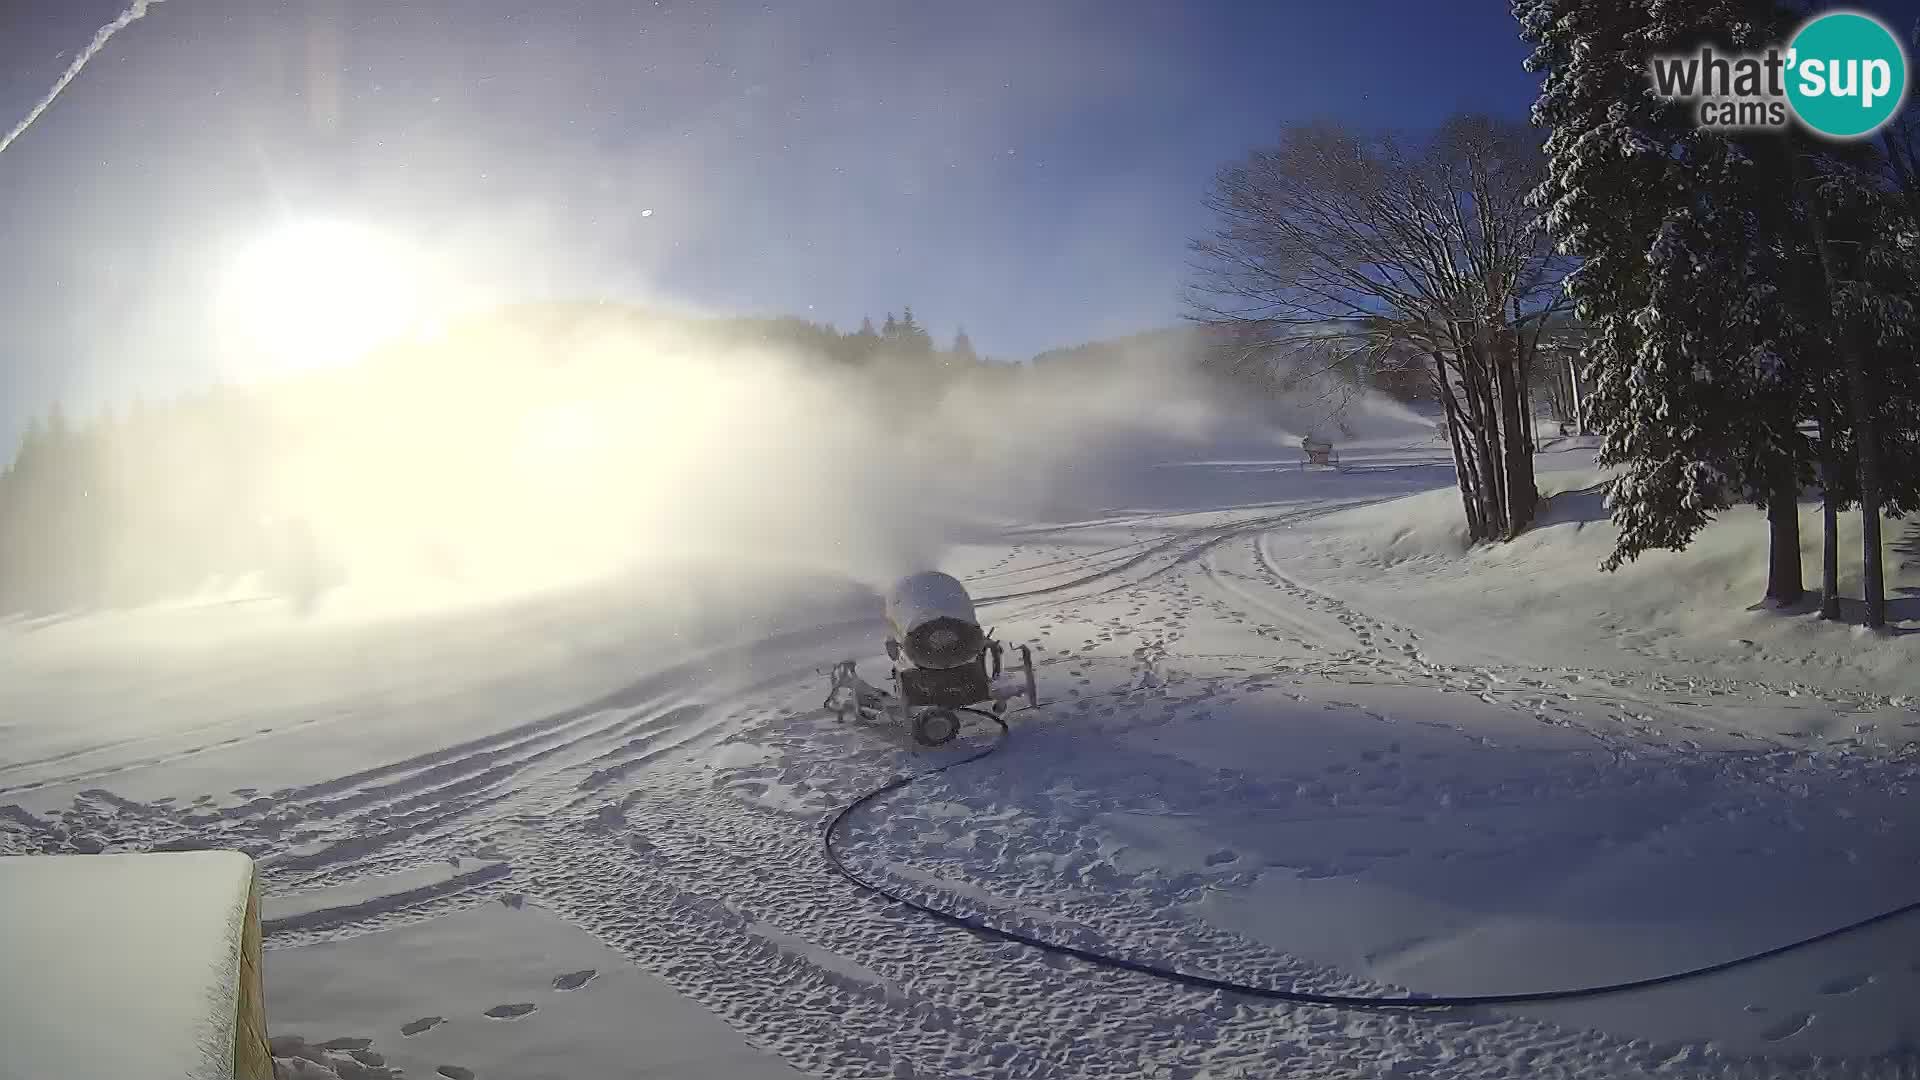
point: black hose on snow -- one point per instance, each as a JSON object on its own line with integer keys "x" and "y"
{"x": 1275, "y": 993}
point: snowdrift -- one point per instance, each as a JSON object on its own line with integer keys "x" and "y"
{"x": 132, "y": 965}
{"x": 1542, "y": 599}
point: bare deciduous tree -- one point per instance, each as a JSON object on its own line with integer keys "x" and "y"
{"x": 1378, "y": 247}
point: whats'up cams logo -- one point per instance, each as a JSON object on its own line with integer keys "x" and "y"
{"x": 1843, "y": 75}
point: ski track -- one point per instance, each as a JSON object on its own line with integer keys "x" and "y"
{"x": 613, "y": 816}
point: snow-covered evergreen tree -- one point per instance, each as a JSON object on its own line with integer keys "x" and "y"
{"x": 1693, "y": 349}
{"x": 1868, "y": 404}
{"x": 863, "y": 343}
{"x": 914, "y": 339}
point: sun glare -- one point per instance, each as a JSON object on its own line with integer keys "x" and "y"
{"x": 317, "y": 293}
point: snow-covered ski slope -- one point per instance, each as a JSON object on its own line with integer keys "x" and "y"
{"x": 1295, "y": 738}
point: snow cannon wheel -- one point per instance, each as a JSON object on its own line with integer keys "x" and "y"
{"x": 935, "y": 727}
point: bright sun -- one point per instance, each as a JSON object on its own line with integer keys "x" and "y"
{"x": 321, "y": 292}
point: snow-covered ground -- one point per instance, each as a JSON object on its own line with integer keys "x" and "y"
{"x": 1296, "y": 737}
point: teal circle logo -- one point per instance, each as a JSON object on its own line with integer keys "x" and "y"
{"x": 1846, "y": 74}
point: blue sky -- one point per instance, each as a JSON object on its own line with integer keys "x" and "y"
{"x": 1032, "y": 170}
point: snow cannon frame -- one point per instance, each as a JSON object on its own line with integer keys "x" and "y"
{"x": 944, "y": 662}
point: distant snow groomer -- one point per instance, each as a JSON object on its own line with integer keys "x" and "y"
{"x": 941, "y": 663}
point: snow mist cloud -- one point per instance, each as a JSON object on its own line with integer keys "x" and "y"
{"x": 521, "y": 456}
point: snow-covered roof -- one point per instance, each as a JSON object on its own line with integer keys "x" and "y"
{"x": 121, "y": 965}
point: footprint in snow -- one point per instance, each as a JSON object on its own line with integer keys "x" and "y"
{"x": 347, "y": 1044}
{"x": 511, "y": 1012}
{"x": 423, "y": 1024}
{"x": 455, "y": 1072}
{"x": 574, "y": 980}
{"x": 1788, "y": 1028}
{"x": 1844, "y": 985}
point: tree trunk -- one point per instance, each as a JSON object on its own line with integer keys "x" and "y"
{"x": 1860, "y": 395}
{"x": 1566, "y": 399}
{"x": 1487, "y": 441}
{"x": 1526, "y": 404}
{"x": 1874, "y": 576}
{"x": 1527, "y": 350}
{"x": 1469, "y": 483}
{"x": 1579, "y": 409}
{"x": 1462, "y": 470}
{"x": 1486, "y": 433}
{"x": 1866, "y": 437}
{"x": 1830, "y": 562}
{"x": 1517, "y": 456}
{"x": 1473, "y": 489}
{"x": 1784, "y": 584}
{"x": 1829, "y": 523}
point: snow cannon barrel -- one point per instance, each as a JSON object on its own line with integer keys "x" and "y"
{"x": 932, "y": 618}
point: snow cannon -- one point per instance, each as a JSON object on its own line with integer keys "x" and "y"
{"x": 932, "y": 619}
{"x": 944, "y": 663}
